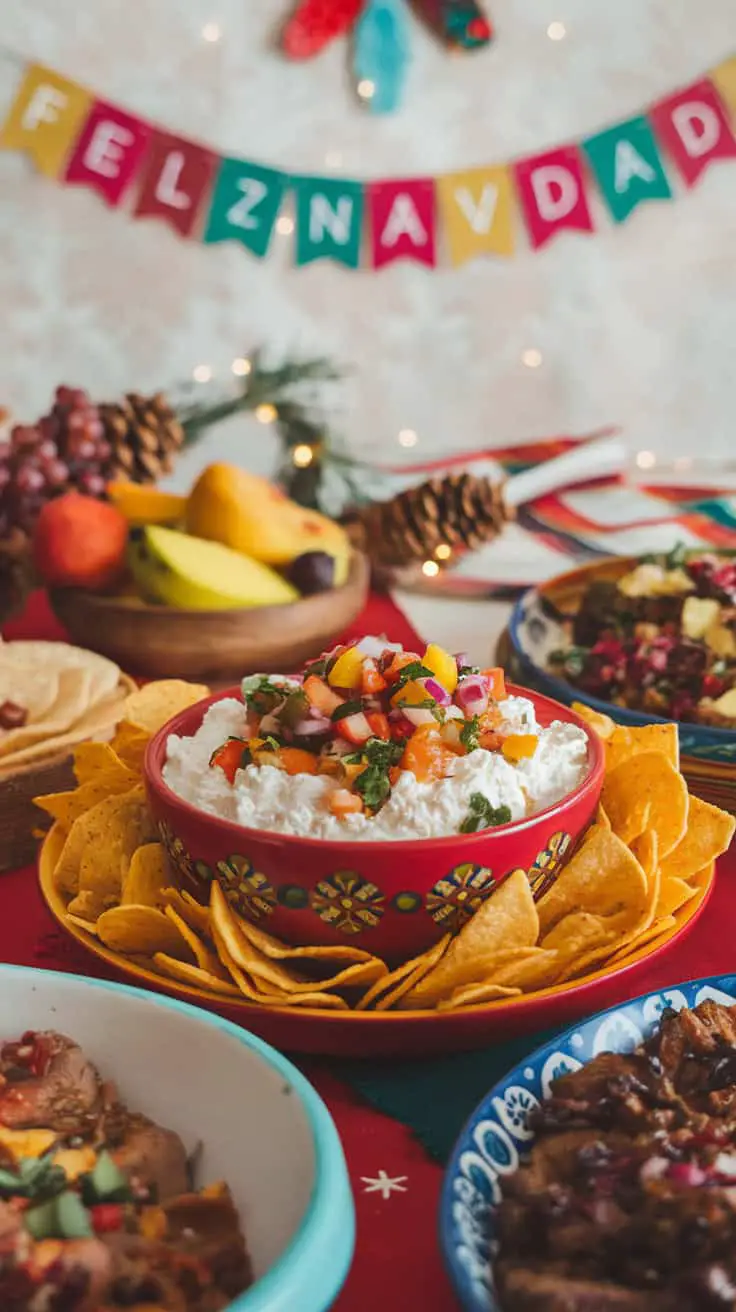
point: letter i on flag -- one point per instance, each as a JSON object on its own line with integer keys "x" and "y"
{"x": 476, "y": 209}
{"x": 245, "y": 205}
{"x": 626, "y": 163}
{"x": 176, "y": 178}
{"x": 45, "y": 119}
{"x": 552, "y": 194}
{"x": 329, "y": 220}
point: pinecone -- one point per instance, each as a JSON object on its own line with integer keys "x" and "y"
{"x": 145, "y": 436}
{"x": 459, "y": 511}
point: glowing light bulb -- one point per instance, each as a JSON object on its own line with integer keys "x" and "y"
{"x": 407, "y": 437}
{"x": 241, "y": 367}
{"x": 202, "y": 373}
{"x": 211, "y": 32}
{"x": 285, "y": 226}
{"x": 430, "y": 568}
{"x": 366, "y": 89}
{"x": 556, "y": 31}
{"x": 443, "y": 551}
{"x": 302, "y": 455}
{"x": 265, "y": 414}
{"x": 645, "y": 459}
{"x": 531, "y": 358}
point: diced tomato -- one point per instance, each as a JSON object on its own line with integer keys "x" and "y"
{"x": 294, "y": 760}
{"x": 400, "y": 659}
{"x": 496, "y": 682}
{"x": 372, "y": 680}
{"x": 320, "y": 695}
{"x": 343, "y": 802}
{"x": 106, "y": 1217}
{"x": 354, "y": 729}
{"x": 229, "y": 757}
{"x": 379, "y": 725}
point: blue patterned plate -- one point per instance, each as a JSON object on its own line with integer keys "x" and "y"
{"x": 497, "y": 1134}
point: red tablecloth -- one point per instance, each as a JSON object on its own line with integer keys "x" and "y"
{"x": 396, "y": 1186}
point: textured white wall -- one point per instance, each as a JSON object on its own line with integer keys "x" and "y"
{"x": 636, "y": 324}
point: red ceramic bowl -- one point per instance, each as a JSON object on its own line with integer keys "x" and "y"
{"x": 391, "y": 898}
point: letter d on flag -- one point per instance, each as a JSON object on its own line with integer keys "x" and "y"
{"x": 552, "y": 194}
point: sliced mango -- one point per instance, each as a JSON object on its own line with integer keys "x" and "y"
{"x": 347, "y": 672}
{"x": 142, "y": 504}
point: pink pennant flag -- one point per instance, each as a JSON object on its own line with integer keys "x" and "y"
{"x": 552, "y": 193}
{"x": 109, "y": 152}
{"x": 403, "y": 221}
{"x": 694, "y": 129}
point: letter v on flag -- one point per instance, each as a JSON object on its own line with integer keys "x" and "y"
{"x": 45, "y": 119}
{"x": 476, "y": 209}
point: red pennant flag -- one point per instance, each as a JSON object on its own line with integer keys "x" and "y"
{"x": 107, "y": 154}
{"x": 694, "y": 129}
{"x": 176, "y": 179}
{"x": 552, "y": 194}
{"x": 403, "y": 221}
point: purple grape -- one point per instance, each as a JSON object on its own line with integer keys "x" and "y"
{"x": 28, "y": 479}
{"x": 91, "y": 483}
{"x": 47, "y": 450}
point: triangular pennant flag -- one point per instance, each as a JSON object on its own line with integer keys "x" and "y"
{"x": 627, "y": 166}
{"x": 45, "y": 118}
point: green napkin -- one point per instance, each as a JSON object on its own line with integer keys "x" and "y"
{"x": 435, "y": 1096}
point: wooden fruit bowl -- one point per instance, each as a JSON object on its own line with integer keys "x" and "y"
{"x": 213, "y": 645}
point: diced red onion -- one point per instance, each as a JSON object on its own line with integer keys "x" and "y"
{"x": 471, "y": 694}
{"x": 687, "y": 1173}
{"x": 418, "y": 714}
{"x": 315, "y": 713}
{"x": 461, "y": 659}
{"x": 435, "y": 689}
{"x": 308, "y": 727}
{"x": 654, "y": 1168}
{"x": 374, "y": 647}
{"x": 725, "y": 1165}
{"x": 454, "y": 713}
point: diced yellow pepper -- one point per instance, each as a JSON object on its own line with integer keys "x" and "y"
{"x": 519, "y": 746}
{"x": 442, "y": 665}
{"x": 26, "y": 1143}
{"x": 412, "y": 694}
{"x": 75, "y": 1161}
{"x": 348, "y": 669}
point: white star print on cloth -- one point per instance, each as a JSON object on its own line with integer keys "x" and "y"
{"x": 384, "y": 1184}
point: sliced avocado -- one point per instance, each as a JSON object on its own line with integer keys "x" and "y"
{"x": 194, "y": 574}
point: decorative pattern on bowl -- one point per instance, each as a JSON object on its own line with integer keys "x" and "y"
{"x": 497, "y": 1135}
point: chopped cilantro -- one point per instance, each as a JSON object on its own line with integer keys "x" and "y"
{"x": 379, "y": 752}
{"x": 295, "y": 708}
{"x": 677, "y": 557}
{"x": 427, "y": 704}
{"x": 482, "y": 815}
{"x": 415, "y": 670}
{"x": 470, "y": 733}
{"x": 260, "y": 694}
{"x": 374, "y": 786}
{"x": 347, "y": 708}
{"x": 36, "y": 1177}
{"x": 318, "y": 668}
{"x": 271, "y": 744}
{"x": 468, "y": 669}
{"x": 373, "y": 782}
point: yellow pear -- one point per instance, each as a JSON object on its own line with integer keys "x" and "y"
{"x": 249, "y": 514}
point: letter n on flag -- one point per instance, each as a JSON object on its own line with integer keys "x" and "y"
{"x": 177, "y": 176}
{"x": 694, "y": 129}
{"x": 552, "y": 194}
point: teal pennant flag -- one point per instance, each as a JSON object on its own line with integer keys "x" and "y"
{"x": 245, "y": 205}
{"x": 627, "y": 166}
{"x": 329, "y": 220}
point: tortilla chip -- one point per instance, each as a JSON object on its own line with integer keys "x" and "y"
{"x": 89, "y": 926}
{"x": 659, "y": 931}
{"x": 673, "y": 894}
{"x": 602, "y": 878}
{"x": 527, "y": 969}
{"x": 202, "y": 953}
{"x": 129, "y": 744}
{"x": 603, "y": 724}
{"x": 153, "y": 705}
{"x": 507, "y": 919}
{"x": 472, "y": 995}
{"x": 273, "y": 947}
{"x": 327, "y": 1001}
{"x": 651, "y": 781}
{"x": 644, "y": 849}
{"x": 195, "y": 975}
{"x": 86, "y": 907}
{"x": 103, "y": 840}
{"x": 389, "y": 988}
{"x": 92, "y": 760}
{"x": 708, "y": 835}
{"x": 629, "y": 741}
{"x": 141, "y": 931}
{"x": 147, "y": 877}
{"x": 67, "y": 807}
{"x": 191, "y": 911}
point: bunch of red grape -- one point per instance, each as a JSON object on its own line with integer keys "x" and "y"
{"x": 66, "y": 449}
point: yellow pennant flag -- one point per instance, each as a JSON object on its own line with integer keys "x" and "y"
{"x": 45, "y": 118}
{"x": 476, "y": 208}
{"x": 724, "y": 79}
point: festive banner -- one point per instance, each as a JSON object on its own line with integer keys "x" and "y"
{"x": 402, "y": 221}
{"x": 476, "y": 209}
{"x": 626, "y": 163}
{"x": 693, "y": 128}
{"x": 329, "y": 220}
{"x": 108, "y": 153}
{"x": 177, "y": 177}
{"x": 724, "y": 79}
{"x": 552, "y": 194}
{"x": 245, "y": 205}
{"x": 45, "y": 118}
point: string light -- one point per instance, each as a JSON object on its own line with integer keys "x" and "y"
{"x": 531, "y": 358}
{"x": 645, "y": 459}
{"x": 430, "y": 568}
{"x": 241, "y": 367}
{"x": 443, "y": 551}
{"x": 302, "y": 455}
{"x": 556, "y": 31}
{"x": 211, "y": 32}
{"x": 202, "y": 373}
{"x": 407, "y": 437}
{"x": 285, "y": 225}
{"x": 265, "y": 414}
{"x": 366, "y": 89}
